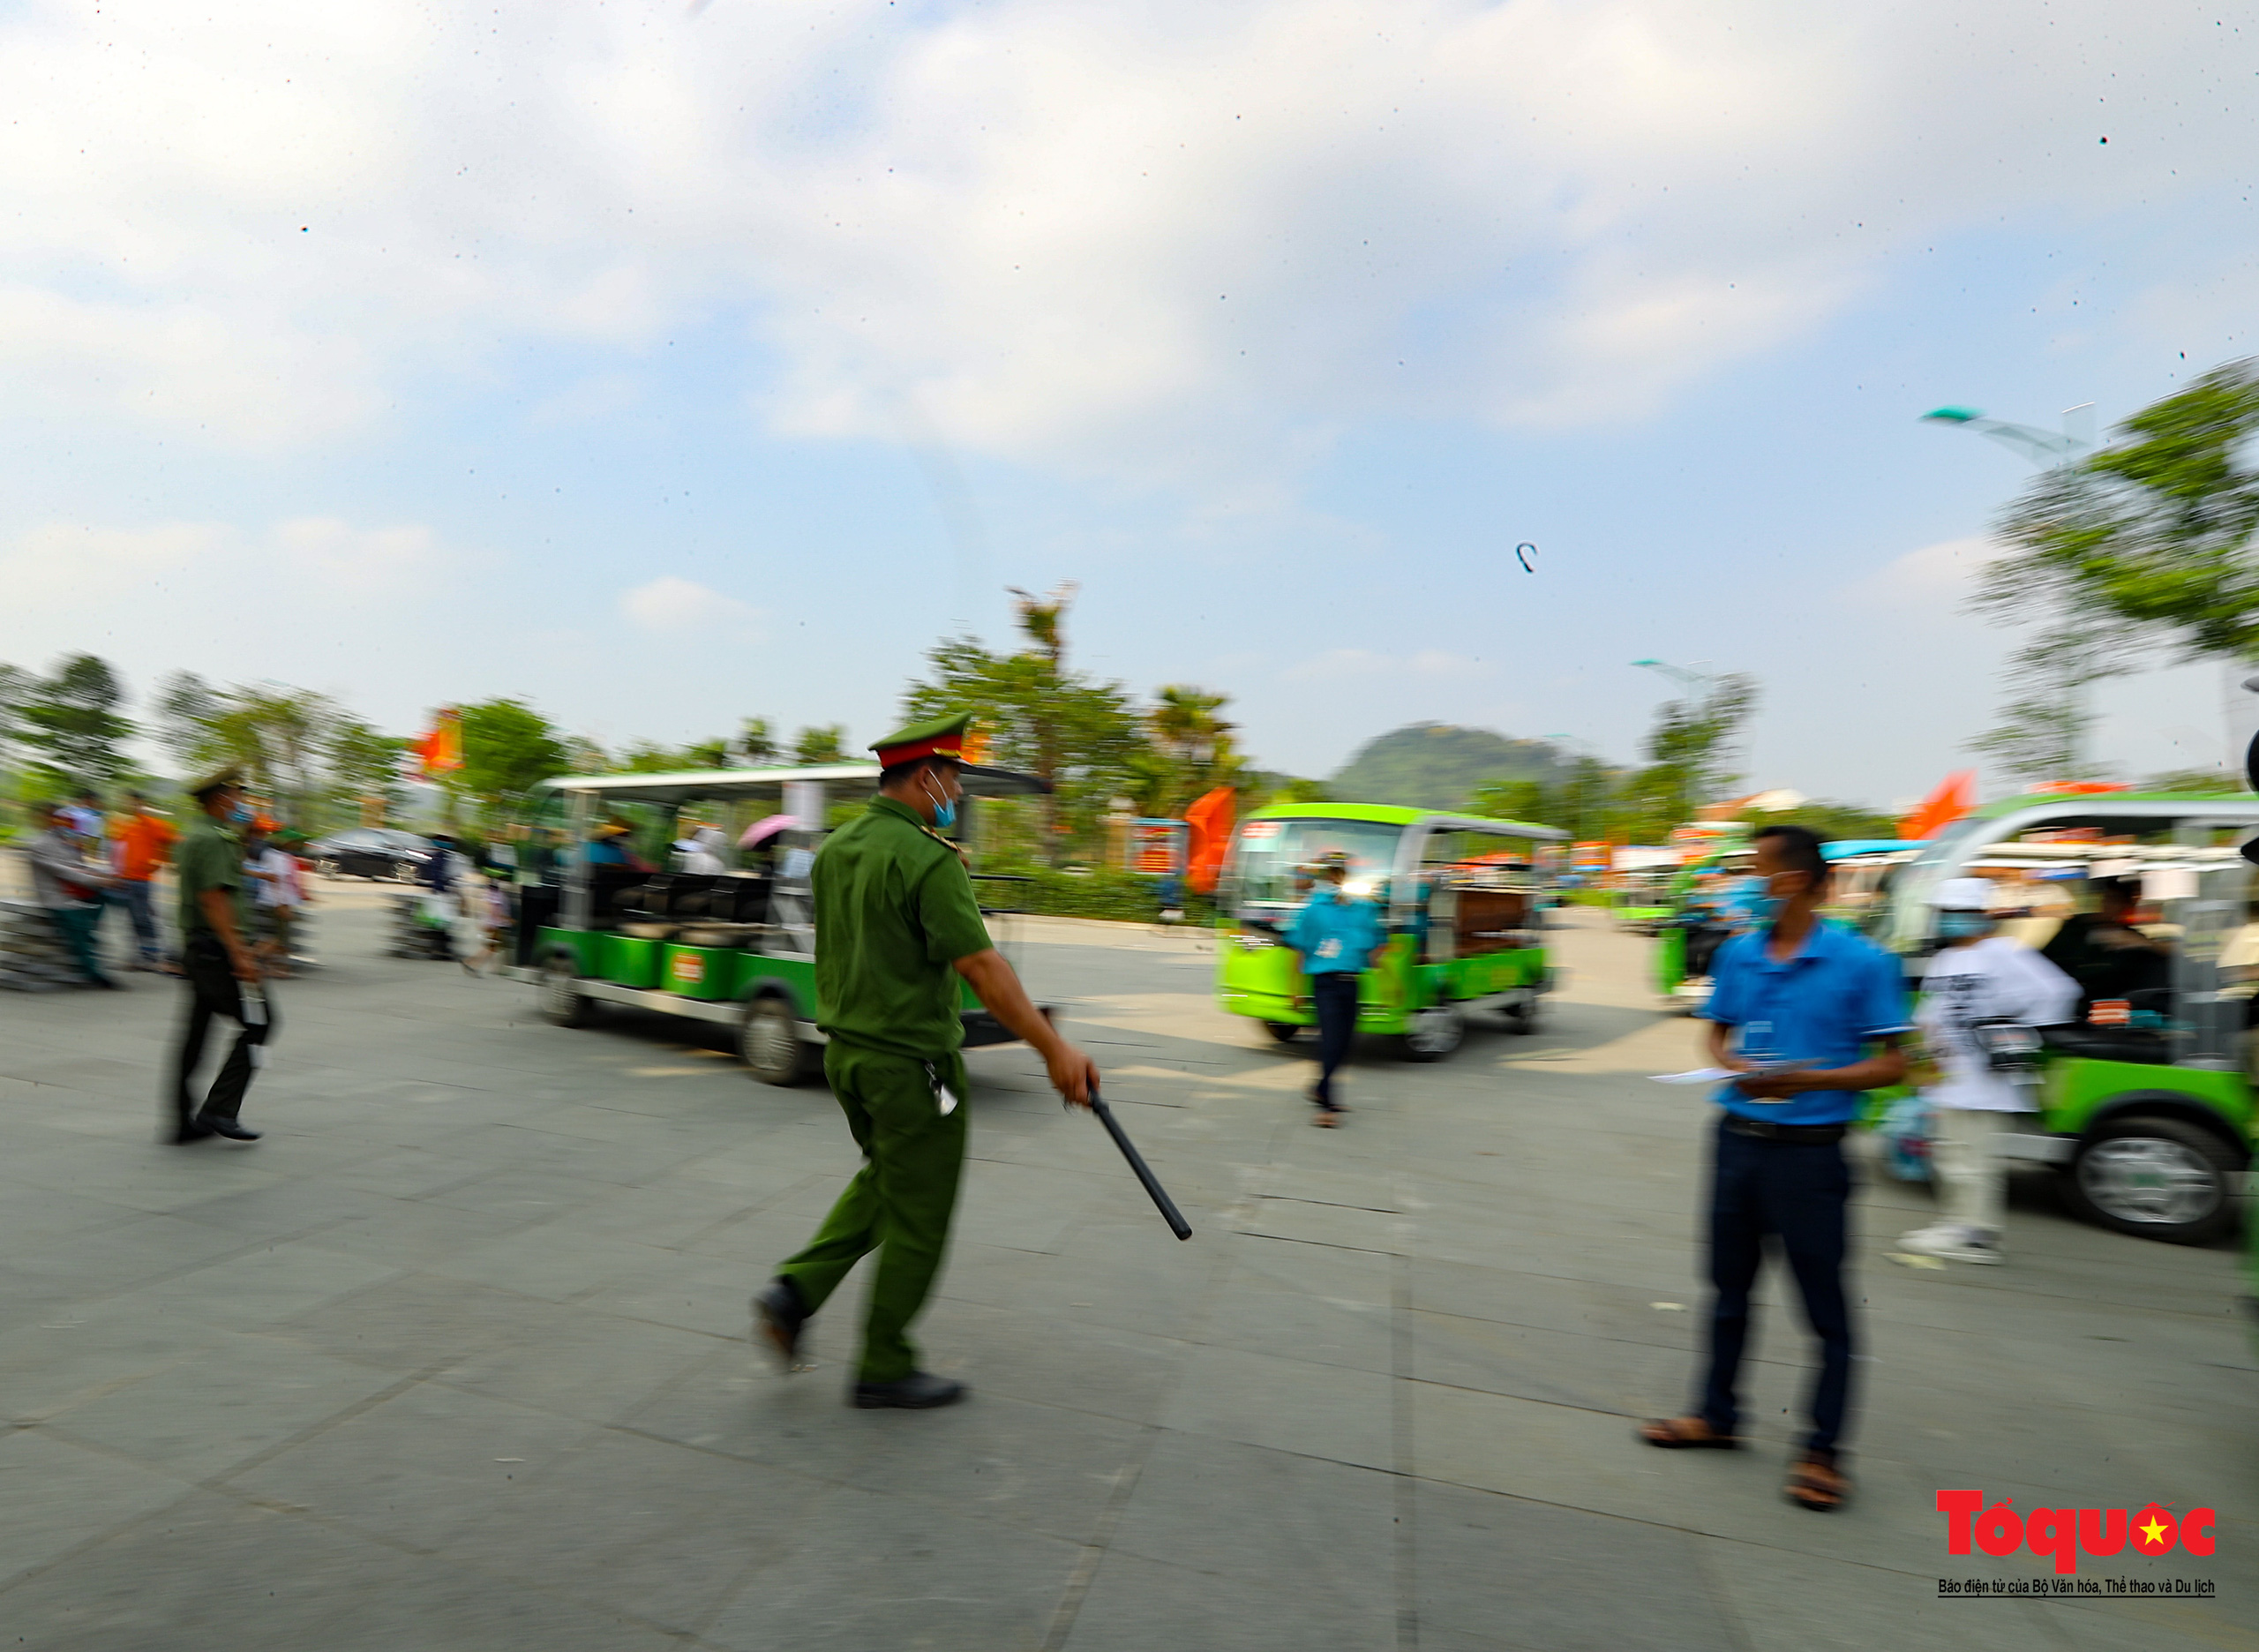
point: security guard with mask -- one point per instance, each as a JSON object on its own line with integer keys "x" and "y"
{"x": 219, "y": 962}
{"x": 897, "y": 927}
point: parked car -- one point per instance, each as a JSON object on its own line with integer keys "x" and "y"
{"x": 371, "y": 852}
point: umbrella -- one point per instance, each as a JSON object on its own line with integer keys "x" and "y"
{"x": 762, "y": 829}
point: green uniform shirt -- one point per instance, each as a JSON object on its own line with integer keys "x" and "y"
{"x": 208, "y": 857}
{"x": 894, "y": 909}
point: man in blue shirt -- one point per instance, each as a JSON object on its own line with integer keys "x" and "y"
{"x": 1799, "y": 1007}
{"x": 1336, "y": 936}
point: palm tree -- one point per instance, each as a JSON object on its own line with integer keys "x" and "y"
{"x": 1197, "y": 744}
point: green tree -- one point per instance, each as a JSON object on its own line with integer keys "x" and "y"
{"x": 363, "y": 769}
{"x": 15, "y": 685}
{"x": 755, "y": 745}
{"x": 1690, "y": 753}
{"x": 2154, "y": 532}
{"x": 1191, "y": 752}
{"x": 2044, "y": 728}
{"x": 508, "y": 748}
{"x": 648, "y": 758}
{"x": 277, "y": 735}
{"x": 825, "y": 743}
{"x": 71, "y": 722}
{"x": 1033, "y": 712}
{"x": 1531, "y": 800}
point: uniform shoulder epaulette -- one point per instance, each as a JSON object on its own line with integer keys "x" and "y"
{"x": 950, "y": 843}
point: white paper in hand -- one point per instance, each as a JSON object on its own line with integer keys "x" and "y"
{"x": 1699, "y": 1075}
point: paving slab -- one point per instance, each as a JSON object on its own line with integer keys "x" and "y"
{"x": 455, "y": 1357}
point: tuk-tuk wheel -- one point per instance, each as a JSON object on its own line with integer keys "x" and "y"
{"x": 2155, "y": 1178}
{"x": 1436, "y": 1032}
{"x": 562, "y": 1001}
{"x": 1285, "y": 1031}
{"x": 768, "y": 1042}
{"x": 1522, "y": 1019}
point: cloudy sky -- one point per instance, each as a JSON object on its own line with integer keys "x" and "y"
{"x": 668, "y": 362}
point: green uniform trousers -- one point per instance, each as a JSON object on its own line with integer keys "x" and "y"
{"x": 900, "y": 1201}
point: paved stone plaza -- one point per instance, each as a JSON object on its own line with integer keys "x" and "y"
{"x": 456, "y": 1358}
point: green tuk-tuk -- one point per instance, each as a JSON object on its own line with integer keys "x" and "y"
{"x": 2146, "y": 1109}
{"x": 1641, "y": 899}
{"x": 1461, "y": 904}
{"x": 737, "y": 946}
{"x": 1702, "y": 917}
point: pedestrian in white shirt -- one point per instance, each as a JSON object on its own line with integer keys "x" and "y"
{"x": 1977, "y": 975}
{"x": 281, "y": 889}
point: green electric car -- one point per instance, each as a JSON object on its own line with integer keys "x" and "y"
{"x": 736, "y": 946}
{"x": 1462, "y": 907}
{"x": 2146, "y": 1110}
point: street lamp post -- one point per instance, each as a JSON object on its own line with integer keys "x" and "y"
{"x": 2046, "y": 450}
{"x": 1698, "y": 686}
{"x": 2043, "y": 448}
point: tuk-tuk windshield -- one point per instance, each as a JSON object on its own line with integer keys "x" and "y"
{"x": 1905, "y": 919}
{"x": 1273, "y": 852}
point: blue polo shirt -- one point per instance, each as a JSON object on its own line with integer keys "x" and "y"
{"x": 1334, "y": 934}
{"x": 1825, "y": 1005}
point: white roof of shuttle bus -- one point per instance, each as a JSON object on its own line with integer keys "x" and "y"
{"x": 702, "y": 783}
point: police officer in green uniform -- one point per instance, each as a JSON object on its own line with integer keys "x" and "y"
{"x": 897, "y": 925}
{"x": 219, "y": 961}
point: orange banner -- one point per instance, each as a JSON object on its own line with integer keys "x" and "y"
{"x": 1211, "y": 818}
{"x": 441, "y": 750}
{"x": 1955, "y": 796}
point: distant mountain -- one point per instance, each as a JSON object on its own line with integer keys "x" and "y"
{"x": 1434, "y": 765}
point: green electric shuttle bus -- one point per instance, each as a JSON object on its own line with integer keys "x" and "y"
{"x": 736, "y": 946}
{"x": 1461, "y": 904}
{"x": 2145, "y": 1109}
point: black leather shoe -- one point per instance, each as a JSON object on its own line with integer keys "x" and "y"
{"x": 920, "y": 1391}
{"x": 192, "y": 1132}
{"x": 778, "y": 1320}
{"x": 234, "y": 1129}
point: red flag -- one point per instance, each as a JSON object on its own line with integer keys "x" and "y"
{"x": 1211, "y": 818}
{"x": 1955, "y": 796}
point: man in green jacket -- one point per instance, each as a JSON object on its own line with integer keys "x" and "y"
{"x": 219, "y": 960}
{"x": 897, "y": 925}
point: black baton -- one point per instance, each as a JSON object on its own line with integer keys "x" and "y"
{"x": 1166, "y": 1205}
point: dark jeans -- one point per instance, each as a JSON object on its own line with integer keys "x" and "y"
{"x": 1795, "y": 1194}
{"x": 76, "y": 926}
{"x": 212, "y": 990}
{"x": 1334, "y": 996}
{"x": 141, "y": 912}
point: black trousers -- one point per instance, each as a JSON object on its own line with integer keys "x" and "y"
{"x": 1795, "y": 1194}
{"x": 212, "y": 990}
{"x": 1334, "y": 996}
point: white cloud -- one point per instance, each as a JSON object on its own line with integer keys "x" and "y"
{"x": 1936, "y": 578}
{"x": 672, "y": 605}
{"x": 1154, "y": 239}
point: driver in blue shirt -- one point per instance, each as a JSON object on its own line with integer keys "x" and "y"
{"x": 1809, "y": 1014}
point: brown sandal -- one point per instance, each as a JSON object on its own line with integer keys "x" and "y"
{"x": 1815, "y": 1484}
{"x": 1328, "y": 1118}
{"x": 1678, "y": 1434}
